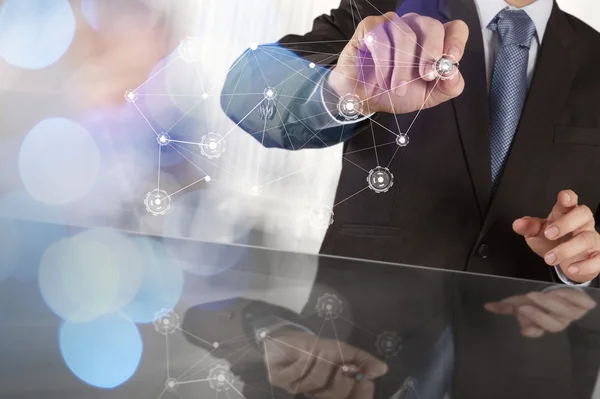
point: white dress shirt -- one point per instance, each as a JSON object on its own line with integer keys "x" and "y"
{"x": 539, "y": 11}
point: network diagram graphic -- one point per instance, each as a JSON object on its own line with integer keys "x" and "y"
{"x": 218, "y": 374}
{"x": 211, "y": 146}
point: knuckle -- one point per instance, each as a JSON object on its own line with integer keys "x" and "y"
{"x": 587, "y": 211}
{"x": 588, "y": 238}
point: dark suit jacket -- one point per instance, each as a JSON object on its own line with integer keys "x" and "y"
{"x": 440, "y": 211}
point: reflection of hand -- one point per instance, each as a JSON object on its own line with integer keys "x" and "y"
{"x": 302, "y": 363}
{"x": 567, "y": 237}
{"x": 549, "y": 311}
{"x": 388, "y": 62}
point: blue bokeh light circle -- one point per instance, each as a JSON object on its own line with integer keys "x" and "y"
{"x": 35, "y": 33}
{"x": 104, "y": 352}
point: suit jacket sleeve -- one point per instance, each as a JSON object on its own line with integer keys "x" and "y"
{"x": 294, "y": 67}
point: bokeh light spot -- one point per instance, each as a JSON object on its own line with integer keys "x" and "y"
{"x": 93, "y": 273}
{"x": 59, "y": 161}
{"x": 104, "y": 352}
{"x": 35, "y": 33}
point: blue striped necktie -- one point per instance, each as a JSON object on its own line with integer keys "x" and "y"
{"x": 509, "y": 84}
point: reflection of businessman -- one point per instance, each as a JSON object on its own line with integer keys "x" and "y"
{"x": 525, "y": 127}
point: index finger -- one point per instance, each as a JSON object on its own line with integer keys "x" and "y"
{"x": 456, "y": 34}
{"x": 565, "y": 202}
{"x": 367, "y": 363}
{"x": 455, "y": 40}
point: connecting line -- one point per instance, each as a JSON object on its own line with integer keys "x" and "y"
{"x": 296, "y": 72}
{"x": 187, "y": 159}
{"x": 392, "y": 88}
{"x": 241, "y": 120}
{"x": 262, "y": 141}
{"x": 235, "y": 91}
{"x": 315, "y": 134}
{"x": 144, "y": 116}
{"x": 159, "y": 71}
{"x": 193, "y": 336}
{"x": 358, "y": 192}
{"x": 384, "y": 127}
{"x": 186, "y": 187}
{"x": 346, "y": 159}
{"x": 193, "y": 381}
{"x": 159, "y": 160}
{"x": 183, "y": 142}
{"x": 318, "y": 336}
{"x": 422, "y": 106}
{"x": 269, "y": 369}
{"x": 293, "y": 173}
{"x": 368, "y": 148}
{"x": 393, "y": 156}
{"x": 235, "y": 389}
{"x": 205, "y": 160}
{"x": 168, "y": 366}
{"x": 186, "y": 114}
{"x": 303, "y": 351}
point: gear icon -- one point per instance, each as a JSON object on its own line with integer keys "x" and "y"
{"x": 388, "y": 344}
{"x": 329, "y": 306}
{"x": 380, "y": 179}
{"x": 166, "y": 321}
{"x": 171, "y": 384}
{"x": 220, "y": 378}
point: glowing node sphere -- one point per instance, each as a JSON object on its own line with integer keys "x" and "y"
{"x": 261, "y": 335}
{"x": 157, "y": 202}
{"x": 270, "y": 93}
{"x": 212, "y": 145}
{"x": 253, "y": 46}
{"x": 370, "y": 38}
{"x": 380, "y": 179}
{"x": 215, "y": 345}
{"x": 220, "y": 378}
{"x": 190, "y": 50}
{"x": 350, "y": 107}
{"x": 207, "y": 179}
{"x": 320, "y": 216}
{"x": 312, "y": 65}
{"x": 388, "y": 344}
{"x": 204, "y": 96}
{"x": 445, "y": 67}
{"x": 402, "y": 140}
{"x": 131, "y": 96}
{"x": 163, "y": 139}
{"x": 255, "y": 190}
{"x": 166, "y": 321}
{"x": 329, "y": 306}
{"x": 171, "y": 384}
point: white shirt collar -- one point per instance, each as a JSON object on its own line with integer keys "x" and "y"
{"x": 539, "y": 11}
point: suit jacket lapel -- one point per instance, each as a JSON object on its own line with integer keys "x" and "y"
{"x": 471, "y": 108}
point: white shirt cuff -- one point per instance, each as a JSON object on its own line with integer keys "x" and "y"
{"x": 561, "y": 275}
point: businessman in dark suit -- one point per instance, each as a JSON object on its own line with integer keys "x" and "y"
{"x": 501, "y": 140}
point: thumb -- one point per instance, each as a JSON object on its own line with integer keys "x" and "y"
{"x": 528, "y": 226}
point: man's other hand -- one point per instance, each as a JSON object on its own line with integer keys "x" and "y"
{"x": 301, "y": 363}
{"x": 566, "y": 238}
{"x": 541, "y": 312}
{"x": 389, "y": 63}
